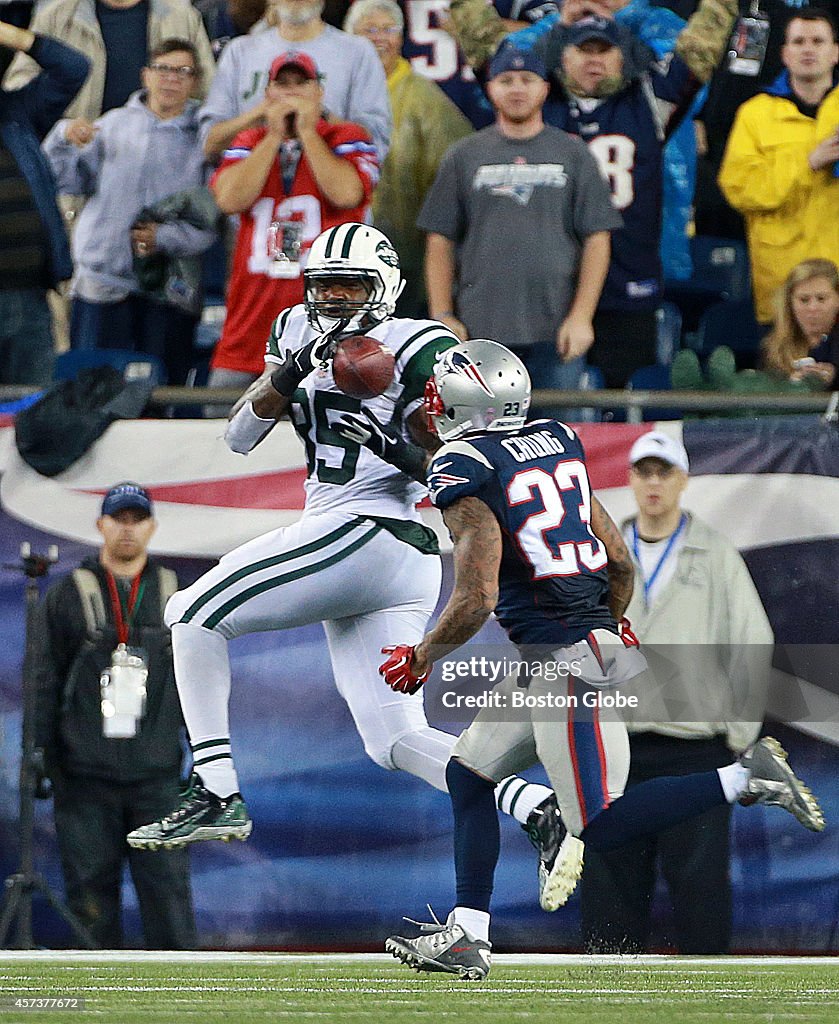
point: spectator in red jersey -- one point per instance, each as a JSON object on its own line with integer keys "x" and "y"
{"x": 290, "y": 179}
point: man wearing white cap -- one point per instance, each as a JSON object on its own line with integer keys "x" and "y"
{"x": 696, "y": 606}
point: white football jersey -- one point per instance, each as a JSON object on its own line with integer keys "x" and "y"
{"x": 342, "y": 474}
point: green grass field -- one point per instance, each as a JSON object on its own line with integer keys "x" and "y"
{"x": 242, "y": 988}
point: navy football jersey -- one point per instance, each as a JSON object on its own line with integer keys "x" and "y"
{"x": 434, "y": 54}
{"x": 553, "y": 584}
{"x": 626, "y": 134}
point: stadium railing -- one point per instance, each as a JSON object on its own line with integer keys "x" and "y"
{"x": 634, "y": 402}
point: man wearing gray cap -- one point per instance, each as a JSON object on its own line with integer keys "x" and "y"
{"x": 109, "y": 723}
{"x": 695, "y": 609}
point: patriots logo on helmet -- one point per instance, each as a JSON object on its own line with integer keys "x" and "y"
{"x": 457, "y": 362}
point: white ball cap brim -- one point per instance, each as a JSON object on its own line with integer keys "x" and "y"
{"x": 658, "y": 445}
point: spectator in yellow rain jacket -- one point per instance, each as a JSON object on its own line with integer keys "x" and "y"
{"x": 779, "y": 168}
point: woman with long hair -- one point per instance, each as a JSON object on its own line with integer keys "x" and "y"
{"x": 803, "y": 344}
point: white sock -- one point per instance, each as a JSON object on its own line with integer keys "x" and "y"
{"x": 202, "y": 672}
{"x": 424, "y": 753}
{"x": 518, "y": 797}
{"x": 734, "y": 778}
{"x": 475, "y": 922}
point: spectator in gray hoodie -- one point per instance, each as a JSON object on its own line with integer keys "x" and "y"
{"x": 130, "y": 159}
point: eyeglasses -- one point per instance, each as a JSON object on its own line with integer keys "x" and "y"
{"x": 374, "y": 31}
{"x": 169, "y": 69}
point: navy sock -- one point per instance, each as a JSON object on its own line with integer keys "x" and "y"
{"x": 652, "y": 806}
{"x": 477, "y": 836}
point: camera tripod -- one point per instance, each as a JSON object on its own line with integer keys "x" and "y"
{"x": 16, "y": 915}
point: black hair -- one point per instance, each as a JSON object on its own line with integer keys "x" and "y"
{"x": 812, "y": 14}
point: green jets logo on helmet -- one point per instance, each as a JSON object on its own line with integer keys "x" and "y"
{"x": 387, "y": 254}
{"x": 359, "y": 252}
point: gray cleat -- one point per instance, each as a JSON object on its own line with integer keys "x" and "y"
{"x": 443, "y": 947}
{"x": 773, "y": 782}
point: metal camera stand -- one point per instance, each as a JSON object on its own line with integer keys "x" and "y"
{"x": 19, "y": 887}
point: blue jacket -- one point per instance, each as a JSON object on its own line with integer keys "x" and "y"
{"x": 25, "y": 118}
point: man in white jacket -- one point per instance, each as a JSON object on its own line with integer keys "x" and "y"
{"x": 706, "y": 635}
{"x": 128, "y": 160}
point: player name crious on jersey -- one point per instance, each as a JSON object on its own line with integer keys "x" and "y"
{"x": 535, "y": 482}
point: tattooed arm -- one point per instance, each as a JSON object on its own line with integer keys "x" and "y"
{"x": 477, "y": 558}
{"x": 620, "y": 569}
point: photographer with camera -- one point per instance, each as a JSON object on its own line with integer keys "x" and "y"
{"x": 109, "y": 723}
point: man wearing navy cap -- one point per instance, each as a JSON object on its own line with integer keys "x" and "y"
{"x": 518, "y": 223}
{"x": 109, "y": 723}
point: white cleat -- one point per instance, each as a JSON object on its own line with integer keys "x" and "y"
{"x": 557, "y": 885}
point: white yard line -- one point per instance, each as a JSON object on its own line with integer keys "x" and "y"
{"x": 105, "y": 957}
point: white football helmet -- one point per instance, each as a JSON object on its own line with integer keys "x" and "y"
{"x": 352, "y": 251}
{"x": 477, "y": 385}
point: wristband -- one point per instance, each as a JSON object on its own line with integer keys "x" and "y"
{"x": 409, "y": 458}
{"x": 246, "y": 430}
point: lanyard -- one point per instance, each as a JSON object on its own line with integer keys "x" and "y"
{"x": 648, "y": 583}
{"x": 290, "y": 153}
{"x": 123, "y": 622}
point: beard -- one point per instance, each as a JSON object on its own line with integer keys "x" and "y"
{"x": 607, "y": 86}
{"x": 298, "y": 13}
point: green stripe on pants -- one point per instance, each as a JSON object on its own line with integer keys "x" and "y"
{"x": 265, "y": 563}
{"x": 296, "y": 574}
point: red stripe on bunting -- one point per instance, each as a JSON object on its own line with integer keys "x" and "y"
{"x": 607, "y": 448}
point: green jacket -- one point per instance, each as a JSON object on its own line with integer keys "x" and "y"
{"x": 425, "y": 124}
{"x": 177, "y": 280}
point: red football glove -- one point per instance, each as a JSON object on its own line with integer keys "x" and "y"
{"x": 396, "y": 671}
{"x": 626, "y": 634}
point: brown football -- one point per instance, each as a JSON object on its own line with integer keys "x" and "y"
{"x": 362, "y": 367}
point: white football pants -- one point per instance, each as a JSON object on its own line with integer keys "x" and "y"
{"x": 369, "y": 590}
